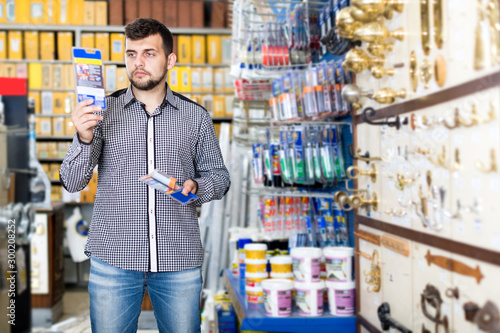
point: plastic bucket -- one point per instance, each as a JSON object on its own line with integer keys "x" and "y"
{"x": 339, "y": 264}
{"x": 342, "y": 298}
{"x": 255, "y": 251}
{"x": 277, "y": 297}
{"x": 256, "y": 266}
{"x": 309, "y": 298}
{"x": 306, "y": 264}
{"x": 255, "y": 280}
{"x": 255, "y": 295}
{"x": 281, "y": 264}
{"x": 288, "y": 276}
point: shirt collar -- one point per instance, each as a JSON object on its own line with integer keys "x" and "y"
{"x": 169, "y": 97}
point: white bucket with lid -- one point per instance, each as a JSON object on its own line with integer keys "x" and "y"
{"x": 309, "y": 298}
{"x": 281, "y": 264}
{"x": 278, "y": 297}
{"x": 255, "y": 251}
{"x": 306, "y": 264}
{"x": 255, "y": 280}
{"x": 339, "y": 264}
{"x": 288, "y": 276}
{"x": 342, "y": 298}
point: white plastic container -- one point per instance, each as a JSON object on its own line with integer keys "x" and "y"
{"x": 339, "y": 264}
{"x": 255, "y": 251}
{"x": 278, "y": 297}
{"x": 342, "y": 298}
{"x": 256, "y": 266}
{"x": 309, "y": 298}
{"x": 306, "y": 264}
{"x": 288, "y": 276}
{"x": 255, "y": 280}
{"x": 281, "y": 264}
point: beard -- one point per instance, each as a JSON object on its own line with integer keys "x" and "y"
{"x": 149, "y": 84}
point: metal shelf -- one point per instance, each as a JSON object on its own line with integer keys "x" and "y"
{"x": 53, "y": 115}
{"x": 222, "y": 119}
{"x": 54, "y": 137}
{"x": 109, "y": 28}
{"x": 50, "y": 160}
{"x": 105, "y": 62}
{"x": 253, "y": 316}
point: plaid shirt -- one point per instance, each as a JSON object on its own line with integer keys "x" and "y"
{"x": 134, "y": 227}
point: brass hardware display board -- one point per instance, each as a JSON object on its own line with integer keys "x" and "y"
{"x": 427, "y": 201}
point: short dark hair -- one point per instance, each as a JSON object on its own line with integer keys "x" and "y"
{"x": 144, "y": 27}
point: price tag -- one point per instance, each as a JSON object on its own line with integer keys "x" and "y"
{"x": 478, "y": 225}
{"x": 460, "y": 227}
{"x": 476, "y": 137}
{"x": 476, "y": 184}
{"x": 458, "y": 139}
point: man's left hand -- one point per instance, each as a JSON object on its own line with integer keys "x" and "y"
{"x": 189, "y": 186}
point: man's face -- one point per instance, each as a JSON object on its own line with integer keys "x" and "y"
{"x": 147, "y": 64}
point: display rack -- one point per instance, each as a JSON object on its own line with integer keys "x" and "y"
{"x": 253, "y": 316}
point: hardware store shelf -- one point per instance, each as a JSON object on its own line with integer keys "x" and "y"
{"x": 253, "y": 317}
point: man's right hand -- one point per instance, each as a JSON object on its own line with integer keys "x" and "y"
{"x": 85, "y": 120}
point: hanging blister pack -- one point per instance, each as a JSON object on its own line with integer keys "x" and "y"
{"x": 309, "y": 97}
{"x": 326, "y": 150}
{"x": 286, "y": 168}
{"x": 308, "y": 157}
{"x": 339, "y": 172}
{"x": 297, "y": 134}
{"x": 268, "y": 165}
{"x": 330, "y": 79}
{"x": 257, "y": 163}
{"x": 316, "y": 145}
{"x": 340, "y": 223}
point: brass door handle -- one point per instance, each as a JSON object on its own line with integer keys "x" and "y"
{"x": 371, "y": 173}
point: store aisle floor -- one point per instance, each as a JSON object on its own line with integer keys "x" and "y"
{"x": 75, "y": 318}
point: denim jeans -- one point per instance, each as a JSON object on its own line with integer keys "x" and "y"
{"x": 116, "y": 298}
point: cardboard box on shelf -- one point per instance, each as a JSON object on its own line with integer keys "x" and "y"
{"x": 68, "y": 76}
{"x": 131, "y": 10}
{"x": 184, "y": 49}
{"x": 196, "y": 79}
{"x": 57, "y": 76}
{"x": 2, "y": 12}
{"x": 184, "y": 77}
{"x": 102, "y": 43}
{"x": 35, "y": 95}
{"x": 22, "y": 12}
{"x": 173, "y": 78}
{"x": 214, "y": 49}
{"x": 226, "y": 46}
{"x": 218, "y": 80}
{"x": 207, "y": 79}
{"x": 76, "y": 10}
{"x": 36, "y": 11}
{"x": 69, "y": 128}
{"x": 41, "y": 147}
{"x": 110, "y": 77}
{"x": 199, "y": 53}
{"x": 184, "y": 17}
{"x": 219, "y": 106}
{"x": 157, "y": 10}
{"x": 47, "y": 45}
{"x": 116, "y": 12}
{"x": 47, "y": 102}
{"x": 229, "y": 100}
{"x": 208, "y": 101}
{"x": 58, "y": 126}
{"x": 56, "y": 193}
{"x": 49, "y": 12}
{"x": 9, "y": 70}
{"x": 69, "y": 102}
{"x": 46, "y": 76}
{"x": 54, "y": 170}
{"x": 22, "y": 71}
{"x": 64, "y": 45}
{"x": 58, "y": 103}
{"x": 122, "y": 81}
{"x": 89, "y": 13}
{"x": 3, "y": 44}
{"x": 88, "y": 39}
{"x": 45, "y": 126}
{"x": 170, "y": 13}
{"x": 174, "y": 49}
{"x": 197, "y": 14}
{"x": 61, "y": 148}
{"x": 15, "y": 46}
{"x": 10, "y": 15}
{"x": 228, "y": 80}
{"x": 101, "y": 13}
{"x": 217, "y": 14}
{"x": 31, "y": 45}
{"x": 144, "y": 8}
{"x": 35, "y": 75}
{"x": 117, "y": 46}
{"x": 63, "y": 12}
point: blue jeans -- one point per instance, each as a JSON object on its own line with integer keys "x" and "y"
{"x": 116, "y": 298}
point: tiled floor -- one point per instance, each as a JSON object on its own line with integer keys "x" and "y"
{"x": 75, "y": 318}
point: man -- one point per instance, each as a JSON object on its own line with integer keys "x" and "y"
{"x": 138, "y": 237}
